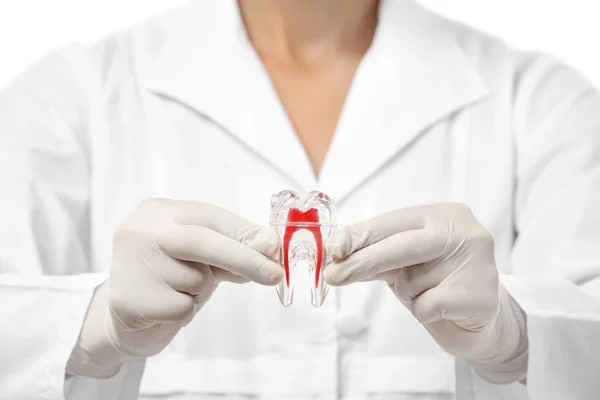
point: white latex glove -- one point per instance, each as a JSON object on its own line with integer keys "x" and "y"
{"x": 439, "y": 262}
{"x": 168, "y": 258}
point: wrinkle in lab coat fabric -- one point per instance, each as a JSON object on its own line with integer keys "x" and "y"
{"x": 181, "y": 107}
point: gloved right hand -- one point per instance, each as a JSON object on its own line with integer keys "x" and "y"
{"x": 168, "y": 258}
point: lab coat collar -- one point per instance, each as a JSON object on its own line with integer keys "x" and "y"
{"x": 414, "y": 74}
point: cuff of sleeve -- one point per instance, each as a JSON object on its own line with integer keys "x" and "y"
{"x": 71, "y": 329}
{"x": 44, "y": 316}
{"x": 551, "y": 297}
{"x": 563, "y": 326}
{"x": 124, "y": 385}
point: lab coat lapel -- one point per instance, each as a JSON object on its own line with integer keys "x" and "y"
{"x": 414, "y": 75}
{"x": 207, "y": 63}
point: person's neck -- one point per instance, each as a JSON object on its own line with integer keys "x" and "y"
{"x": 309, "y": 30}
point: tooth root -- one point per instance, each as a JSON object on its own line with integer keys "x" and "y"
{"x": 320, "y": 288}
{"x": 286, "y": 294}
{"x": 287, "y": 238}
{"x": 285, "y": 289}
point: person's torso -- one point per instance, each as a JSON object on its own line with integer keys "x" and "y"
{"x": 362, "y": 342}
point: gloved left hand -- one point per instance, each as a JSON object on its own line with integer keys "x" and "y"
{"x": 439, "y": 262}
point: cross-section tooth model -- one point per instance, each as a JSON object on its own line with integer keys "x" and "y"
{"x": 303, "y": 225}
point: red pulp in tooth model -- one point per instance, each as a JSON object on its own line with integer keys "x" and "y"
{"x": 296, "y": 216}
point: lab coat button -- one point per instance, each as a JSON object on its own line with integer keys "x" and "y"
{"x": 350, "y": 324}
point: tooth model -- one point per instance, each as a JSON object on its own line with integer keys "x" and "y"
{"x": 303, "y": 225}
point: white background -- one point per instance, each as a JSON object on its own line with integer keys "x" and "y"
{"x": 568, "y": 29}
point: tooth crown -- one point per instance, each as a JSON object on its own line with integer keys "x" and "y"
{"x": 303, "y": 225}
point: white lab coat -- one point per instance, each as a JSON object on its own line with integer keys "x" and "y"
{"x": 180, "y": 107}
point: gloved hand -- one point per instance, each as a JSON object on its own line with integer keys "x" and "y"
{"x": 439, "y": 262}
{"x": 168, "y": 258}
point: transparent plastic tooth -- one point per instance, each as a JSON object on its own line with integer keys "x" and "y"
{"x": 303, "y": 225}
